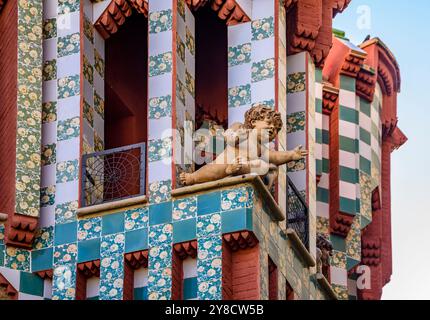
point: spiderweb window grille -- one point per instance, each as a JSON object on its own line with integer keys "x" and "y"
{"x": 113, "y": 174}
{"x": 298, "y": 217}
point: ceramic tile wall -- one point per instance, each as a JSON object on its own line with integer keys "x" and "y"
{"x": 29, "y": 116}
{"x": 185, "y": 86}
{"x": 301, "y": 131}
{"x": 64, "y": 94}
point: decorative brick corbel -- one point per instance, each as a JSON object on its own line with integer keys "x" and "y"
{"x": 20, "y": 231}
{"x": 330, "y": 97}
{"x": 8, "y": 289}
{"x": 353, "y": 62}
{"x": 340, "y": 224}
{"x": 309, "y": 25}
{"x": 240, "y": 240}
{"x": 229, "y": 11}
{"x": 137, "y": 260}
{"x": 366, "y": 83}
{"x": 186, "y": 249}
{"x": 371, "y": 252}
{"x": 45, "y": 274}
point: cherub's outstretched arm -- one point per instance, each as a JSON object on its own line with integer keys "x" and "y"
{"x": 279, "y": 158}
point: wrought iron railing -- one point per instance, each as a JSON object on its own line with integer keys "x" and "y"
{"x": 113, "y": 174}
{"x": 298, "y": 217}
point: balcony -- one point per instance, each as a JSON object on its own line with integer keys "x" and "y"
{"x": 297, "y": 214}
{"x": 113, "y": 176}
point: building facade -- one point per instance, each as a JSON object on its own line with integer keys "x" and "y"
{"x": 97, "y": 100}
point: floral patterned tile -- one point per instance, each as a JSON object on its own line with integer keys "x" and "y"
{"x": 160, "y": 107}
{"x": 68, "y": 86}
{"x": 208, "y": 225}
{"x": 338, "y": 259}
{"x": 296, "y": 122}
{"x": 262, "y": 29}
{"x": 209, "y": 248}
{"x": 239, "y": 55}
{"x": 341, "y": 291}
{"x": 68, "y": 129}
{"x": 323, "y": 225}
{"x": 64, "y": 282}
{"x": 181, "y": 8}
{"x": 189, "y": 41}
{"x": 239, "y": 96}
{"x": 44, "y": 238}
{"x": 111, "y": 278}
{"x": 1, "y": 234}
{"x": 190, "y": 84}
{"x": 366, "y": 195}
{"x": 295, "y": 166}
{"x": 267, "y": 103}
{"x": 353, "y": 240}
{"x": 113, "y": 244}
{"x": 47, "y": 196}
{"x": 160, "y": 272}
{"x": 210, "y": 290}
{"x": 136, "y": 219}
{"x": 184, "y": 208}
{"x": 89, "y": 228}
{"x": 88, "y": 71}
{"x": 49, "y": 112}
{"x": 296, "y": 82}
{"x": 17, "y": 259}
{"x": 160, "y": 64}
{"x": 236, "y": 198}
{"x": 159, "y": 191}
{"x": 99, "y": 105}
{"x": 180, "y": 47}
{"x": 161, "y": 234}
{"x": 99, "y": 145}
{"x": 159, "y": 149}
{"x": 160, "y": 21}
{"x": 66, "y": 212}
{"x": 88, "y": 29}
{"x": 48, "y": 154}
{"x": 68, "y": 45}
{"x": 88, "y": 113}
{"x": 68, "y": 6}
{"x": 67, "y": 171}
{"x": 50, "y": 28}
{"x": 65, "y": 254}
{"x": 180, "y": 90}
{"x": 99, "y": 63}
{"x": 50, "y": 70}
{"x": 263, "y": 70}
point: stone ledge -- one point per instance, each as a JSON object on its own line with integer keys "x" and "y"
{"x": 322, "y": 281}
{"x": 110, "y": 206}
{"x": 275, "y": 210}
{"x": 300, "y": 247}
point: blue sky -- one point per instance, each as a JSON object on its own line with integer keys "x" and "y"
{"x": 403, "y": 26}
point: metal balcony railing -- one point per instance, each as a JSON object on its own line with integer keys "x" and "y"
{"x": 113, "y": 174}
{"x": 297, "y": 214}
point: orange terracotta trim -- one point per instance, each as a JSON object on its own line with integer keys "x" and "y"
{"x": 137, "y": 259}
{"x": 366, "y": 83}
{"x": 90, "y": 269}
{"x": 116, "y": 14}
{"x": 45, "y": 274}
{"x": 309, "y": 24}
{"x": 186, "y": 249}
{"x": 240, "y": 240}
{"x": 20, "y": 230}
{"x": 10, "y": 290}
{"x": 330, "y": 97}
{"x": 230, "y": 11}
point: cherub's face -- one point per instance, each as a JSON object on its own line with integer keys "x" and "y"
{"x": 266, "y": 124}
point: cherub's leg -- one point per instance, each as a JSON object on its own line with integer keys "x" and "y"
{"x": 271, "y": 176}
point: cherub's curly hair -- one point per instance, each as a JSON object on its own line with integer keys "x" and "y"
{"x": 262, "y": 112}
